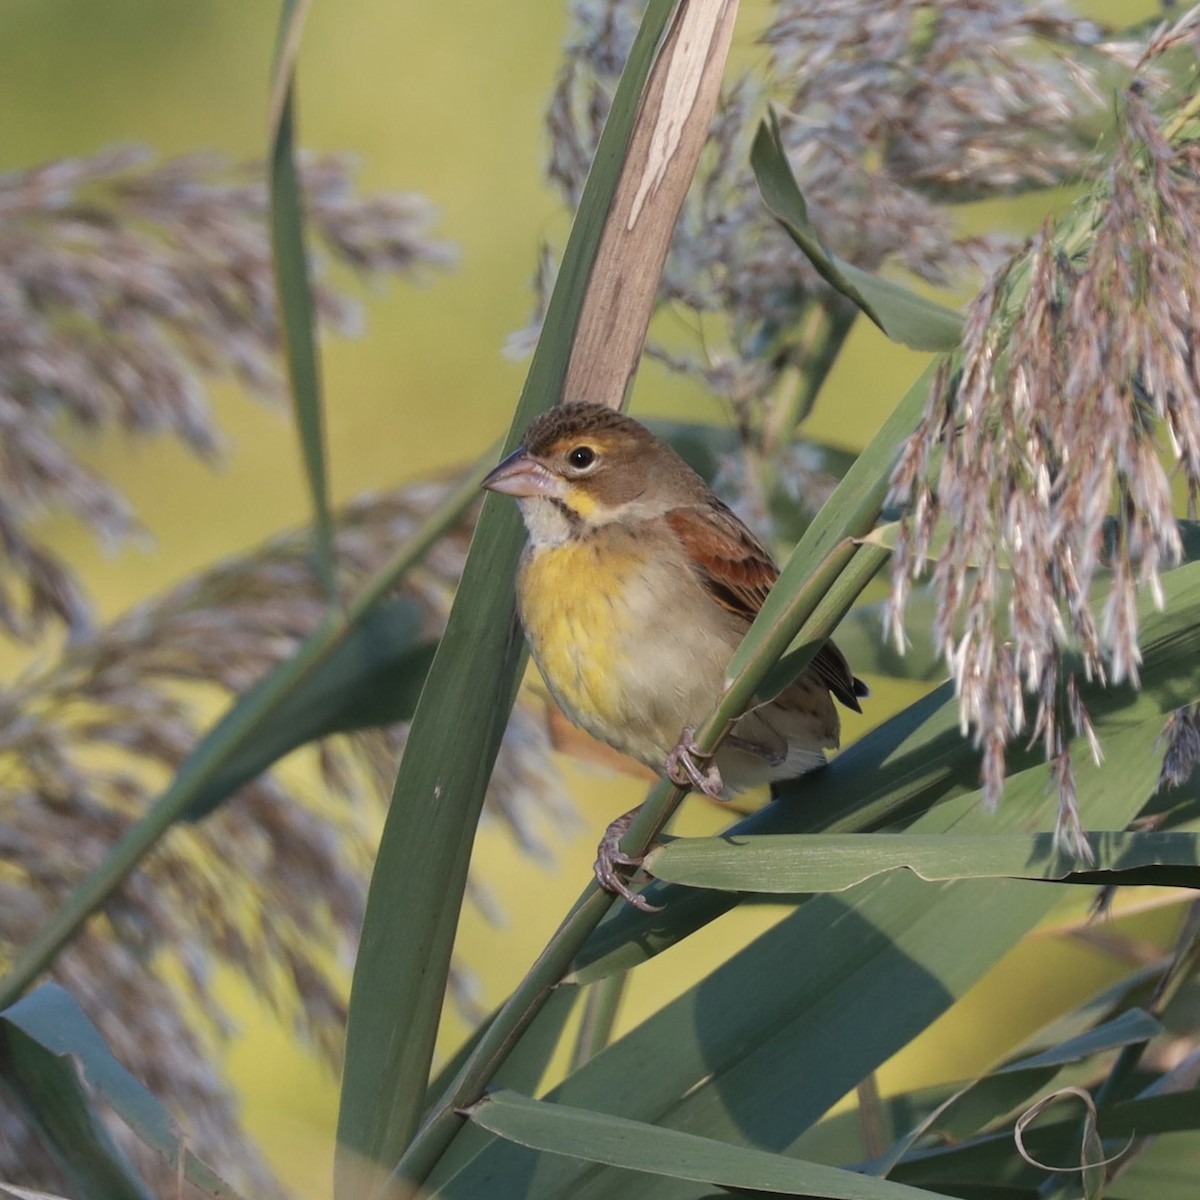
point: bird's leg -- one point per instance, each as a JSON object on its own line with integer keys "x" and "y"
{"x": 683, "y": 770}
{"x": 610, "y": 858}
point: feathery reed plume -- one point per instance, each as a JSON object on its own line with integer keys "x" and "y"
{"x": 123, "y": 288}
{"x": 1077, "y": 387}
{"x": 272, "y": 884}
{"x": 890, "y": 111}
{"x": 1182, "y": 754}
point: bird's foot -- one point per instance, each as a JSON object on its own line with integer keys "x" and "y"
{"x": 683, "y": 769}
{"x": 612, "y": 861}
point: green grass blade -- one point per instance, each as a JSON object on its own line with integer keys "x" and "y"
{"x": 1014, "y": 1083}
{"x": 617, "y": 1142}
{"x": 601, "y": 1004}
{"x": 521, "y": 1071}
{"x": 296, "y": 313}
{"x": 1151, "y": 1115}
{"x": 48, "y": 1049}
{"x": 764, "y": 1045}
{"x": 293, "y": 15}
{"x": 902, "y": 314}
{"x": 1168, "y": 1170}
{"x": 991, "y": 1159}
{"x": 426, "y": 1157}
{"x": 839, "y": 1138}
{"x": 48, "y": 1092}
{"x": 420, "y": 873}
{"x": 798, "y": 863}
{"x": 521, "y": 1008}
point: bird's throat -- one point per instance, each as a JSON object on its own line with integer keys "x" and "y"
{"x": 550, "y": 521}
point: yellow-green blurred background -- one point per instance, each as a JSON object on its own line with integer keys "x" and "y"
{"x": 444, "y": 99}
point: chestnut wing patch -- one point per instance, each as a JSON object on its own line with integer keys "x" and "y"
{"x": 728, "y": 559}
{"x": 737, "y": 572}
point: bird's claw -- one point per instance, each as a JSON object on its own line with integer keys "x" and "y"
{"x": 611, "y": 861}
{"x": 684, "y": 771}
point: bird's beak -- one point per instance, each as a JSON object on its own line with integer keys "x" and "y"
{"x": 518, "y": 475}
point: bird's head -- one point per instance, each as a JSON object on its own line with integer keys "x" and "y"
{"x": 581, "y": 466}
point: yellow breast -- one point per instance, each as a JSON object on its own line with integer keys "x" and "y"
{"x": 571, "y": 601}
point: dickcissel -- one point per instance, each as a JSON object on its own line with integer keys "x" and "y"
{"x": 635, "y": 588}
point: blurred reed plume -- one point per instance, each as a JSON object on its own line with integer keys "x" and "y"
{"x": 1182, "y": 755}
{"x": 123, "y": 288}
{"x": 891, "y": 112}
{"x": 272, "y": 884}
{"x": 1052, "y": 456}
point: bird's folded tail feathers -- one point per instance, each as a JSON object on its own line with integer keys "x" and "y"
{"x": 831, "y": 667}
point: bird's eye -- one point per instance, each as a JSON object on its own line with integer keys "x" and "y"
{"x": 581, "y": 457}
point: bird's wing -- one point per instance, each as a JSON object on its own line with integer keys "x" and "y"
{"x": 729, "y": 560}
{"x": 738, "y": 572}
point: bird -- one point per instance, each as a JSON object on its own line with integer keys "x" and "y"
{"x": 634, "y": 589}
